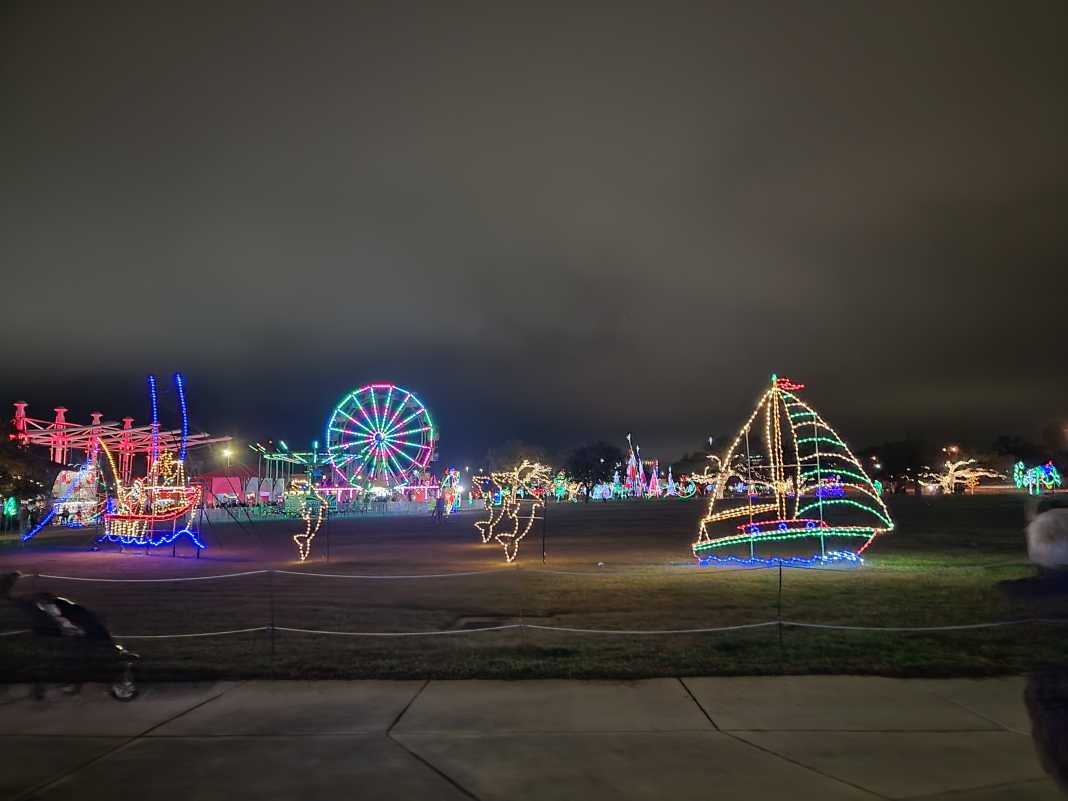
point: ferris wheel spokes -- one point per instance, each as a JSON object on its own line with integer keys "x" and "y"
{"x": 400, "y": 407}
{"x": 379, "y": 432}
{"x": 404, "y": 422}
{"x": 355, "y": 421}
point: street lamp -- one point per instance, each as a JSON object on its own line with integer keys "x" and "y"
{"x": 227, "y": 453}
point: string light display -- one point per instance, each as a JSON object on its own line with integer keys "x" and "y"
{"x": 63, "y": 437}
{"x": 831, "y": 487}
{"x": 154, "y": 401}
{"x": 1035, "y": 479}
{"x": 179, "y": 385}
{"x": 312, "y": 517}
{"x": 81, "y": 505}
{"x": 382, "y": 433}
{"x": 83, "y": 473}
{"x": 705, "y": 478}
{"x": 966, "y": 473}
{"x": 800, "y": 486}
{"x": 830, "y": 557}
{"x": 159, "y": 508}
{"x": 451, "y": 489}
{"x": 653, "y": 488}
{"x": 520, "y": 504}
{"x": 634, "y": 483}
{"x": 560, "y": 485}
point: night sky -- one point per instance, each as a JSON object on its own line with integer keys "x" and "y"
{"x": 553, "y": 224}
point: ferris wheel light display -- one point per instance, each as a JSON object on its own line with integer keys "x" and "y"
{"x": 380, "y": 433}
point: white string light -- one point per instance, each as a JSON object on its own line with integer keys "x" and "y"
{"x": 520, "y": 490}
{"x": 819, "y": 456}
{"x": 966, "y": 473}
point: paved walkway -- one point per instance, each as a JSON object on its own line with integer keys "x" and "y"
{"x": 800, "y": 738}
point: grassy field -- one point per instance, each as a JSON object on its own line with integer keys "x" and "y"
{"x": 941, "y": 566}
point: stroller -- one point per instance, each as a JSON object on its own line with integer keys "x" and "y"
{"x": 54, "y": 616}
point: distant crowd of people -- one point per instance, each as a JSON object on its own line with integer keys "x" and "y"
{"x": 19, "y": 516}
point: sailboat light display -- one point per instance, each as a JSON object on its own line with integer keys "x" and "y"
{"x": 790, "y": 491}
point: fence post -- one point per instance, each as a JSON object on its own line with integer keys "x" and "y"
{"x": 779, "y": 613}
{"x": 270, "y": 604}
{"x": 544, "y": 527}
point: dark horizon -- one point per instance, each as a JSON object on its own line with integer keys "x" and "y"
{"x": 455, "y": 450}
{"x": 553, "y": 227}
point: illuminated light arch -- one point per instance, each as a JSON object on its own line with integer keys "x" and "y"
{"x": 380, "y": 433}
{"x": 787, "y": 472}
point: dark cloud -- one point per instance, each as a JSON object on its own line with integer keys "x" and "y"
{"x": 554, "y": 224}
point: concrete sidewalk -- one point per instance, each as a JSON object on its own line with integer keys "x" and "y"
{"x": 797, "y": 738}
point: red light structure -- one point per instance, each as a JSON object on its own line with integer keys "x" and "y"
{"x": 151, "y": 511}
{"x": 63, "y": 437}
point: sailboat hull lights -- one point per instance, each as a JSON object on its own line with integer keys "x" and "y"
{"x": 844, "y": 558}
{"x": 781, "y": 531}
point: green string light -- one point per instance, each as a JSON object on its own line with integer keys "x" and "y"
{"x": 790, "y": 534}
{"x": 786, "y": 453}
{"x": 847, "y": 502}
{"x": 819, "y": 473}
{"x": 821, "y": 439}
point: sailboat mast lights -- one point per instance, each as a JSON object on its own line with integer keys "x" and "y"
{"x": 803, "y": 488}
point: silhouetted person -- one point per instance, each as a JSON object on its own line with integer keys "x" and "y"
{"x": 1046, "y": 696}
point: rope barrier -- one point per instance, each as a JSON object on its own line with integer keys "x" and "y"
{"x": 390, "y": 577}
{"x": 962, "y": 627}
{"x": 195, "y": 634}
{"x": 651, "y": 631}
{"x": 151, "y": 580}
{"x": 387, "y": 577}
{"x": 574, "y": 630}
{"x": 402, "y": 633}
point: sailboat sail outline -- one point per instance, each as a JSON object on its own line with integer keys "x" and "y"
{"x": 780, "y": 504}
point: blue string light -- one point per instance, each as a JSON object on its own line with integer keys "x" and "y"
{"x": 155, "y": 416}
{"x": 831, "y": 557}
{"x": 44, "y": 521}
{"x": 179, "y": 383}
{"x": 152, "y": 542}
